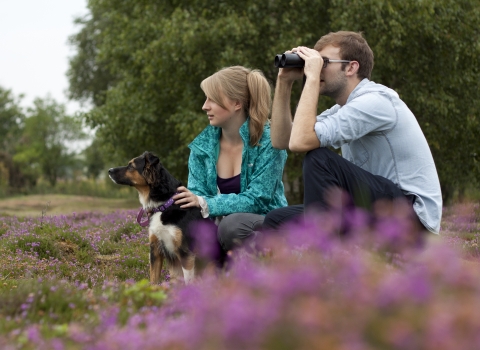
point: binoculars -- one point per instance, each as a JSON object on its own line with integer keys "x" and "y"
{"x": 289, "y": 60}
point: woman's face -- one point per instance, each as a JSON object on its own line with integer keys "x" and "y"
{"x": 217, "y": 115}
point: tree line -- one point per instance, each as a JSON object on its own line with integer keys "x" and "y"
{"x": 36, "y": 144}
{"x": 140, "y": 65}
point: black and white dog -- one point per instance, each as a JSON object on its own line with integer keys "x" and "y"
{"x": 169, "y": 226}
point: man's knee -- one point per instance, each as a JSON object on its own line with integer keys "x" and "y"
{"x": 317, "y": 156}
{"x": 271, "y": 220}
{"x": 278, "y": 217}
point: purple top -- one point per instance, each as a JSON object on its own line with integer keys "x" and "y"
{"x": 231, "y": 185}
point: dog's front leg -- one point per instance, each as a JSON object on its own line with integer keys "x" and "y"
{"x": 188, "y": 267}
{"x": 156, "y": 259}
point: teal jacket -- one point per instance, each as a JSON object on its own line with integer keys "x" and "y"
{"x": 261, "y": 186}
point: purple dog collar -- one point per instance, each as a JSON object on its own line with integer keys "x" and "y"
{"x": 161, "y": 208}
{"x": 140, "y": 216}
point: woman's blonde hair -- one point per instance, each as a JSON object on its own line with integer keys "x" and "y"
{"x": 249, "y": 87}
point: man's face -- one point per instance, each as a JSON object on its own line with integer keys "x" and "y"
{"x": 333, "y": 81}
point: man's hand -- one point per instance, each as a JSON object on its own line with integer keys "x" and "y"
{"x": 289, "y": 75}
{"x": 185, "y": 197}
{"x": 313, "y": 62}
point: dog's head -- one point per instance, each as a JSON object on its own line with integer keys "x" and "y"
{"x": 148, "y": 176}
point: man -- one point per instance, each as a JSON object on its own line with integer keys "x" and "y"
{"x": 384, "y": 152}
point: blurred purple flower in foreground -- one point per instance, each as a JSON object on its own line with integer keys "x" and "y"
{"x": 328, "y": 282}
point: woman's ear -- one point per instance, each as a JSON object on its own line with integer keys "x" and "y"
{"x": 238, "y": 106}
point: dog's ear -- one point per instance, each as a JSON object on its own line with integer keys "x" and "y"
{"x": 150, "y": 159}
{"x": 151, "y": 171}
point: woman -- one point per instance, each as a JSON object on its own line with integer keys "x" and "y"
{"x": 235, "y": 175}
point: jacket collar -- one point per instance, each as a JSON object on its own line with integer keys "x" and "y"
{"x": 208, "y": 139}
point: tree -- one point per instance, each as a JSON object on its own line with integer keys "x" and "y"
{"x": 94, "y": 159}
{"x": 89, "y": 78}
{"x": 11, "y": 119}
{"x": 11, "y": 123}
{"x": 428, "y": 51}
{"x": 157, "y": 53}
{"x": 42, "y": 149}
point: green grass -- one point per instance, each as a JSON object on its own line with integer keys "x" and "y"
{"x": 104, "y": 188}
{"x": 61, "y": 204}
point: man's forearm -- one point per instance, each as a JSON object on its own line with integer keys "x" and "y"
{"x": 281, "y": 115}
{"x": 303, "y": 137}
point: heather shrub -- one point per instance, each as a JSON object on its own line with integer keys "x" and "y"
{"x": 107, "y": 248}
{"x": 125, "y": 232}
{"x": 56, "y": 302}
{"x": 77, "y": 248}
{"x": 3, "y": 229}
{"x": 337, "y": 280}
{"x": 316, "y": 290}
{"x": 73, "y": 238}
{"x": 35, "y": 244}
{"x": 43, "y": 301}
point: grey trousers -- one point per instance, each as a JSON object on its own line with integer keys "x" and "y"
{"x": 235, "y": 229}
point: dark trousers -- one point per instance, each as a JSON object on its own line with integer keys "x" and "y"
{"x": 238, "y": 228}
{"x": 323, "y": 172}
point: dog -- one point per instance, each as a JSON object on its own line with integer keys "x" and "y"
{"x": 169, "y": 226}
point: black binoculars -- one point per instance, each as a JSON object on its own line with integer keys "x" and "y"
{"x": 289, "y": 60}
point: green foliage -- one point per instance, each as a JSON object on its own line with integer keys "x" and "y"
{"x": 11, "y": 124}
{"x": 34, "y": 145}
{"x": 89, "y": 80}
{"x": 95, "y": 159}
{"x": 43, "y": 150}
{"x": 11, "y": 119}
{"x": 141, "y": 64}
{"x": 428, "y": 51}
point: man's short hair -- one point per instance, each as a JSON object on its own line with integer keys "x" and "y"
{"x": 353, "y": 47}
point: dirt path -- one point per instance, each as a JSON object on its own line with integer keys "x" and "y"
{"x": 56, "y": 204}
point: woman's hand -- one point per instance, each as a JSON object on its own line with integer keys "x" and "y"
{"x": 186, "y": 198}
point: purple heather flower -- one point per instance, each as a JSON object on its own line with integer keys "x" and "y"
{"x": 33, "y": 334}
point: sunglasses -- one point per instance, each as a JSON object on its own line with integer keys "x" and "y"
{"x": 327, "y": 60}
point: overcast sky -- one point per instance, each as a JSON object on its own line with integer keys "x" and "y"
{"x": 33, "y": 47}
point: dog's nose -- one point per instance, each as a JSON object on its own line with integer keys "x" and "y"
{"x": 110, "y": 170}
